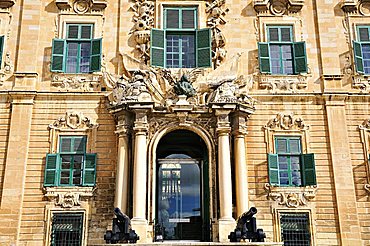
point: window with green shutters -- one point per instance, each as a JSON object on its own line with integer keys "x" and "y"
{"x": 288, "y": 166}
{"x": 78, "y": 52}
{"x": 71, "y": 166}
{"x": 280, "y": 54}
{"x": 180, "y": 44}
{"x": 361, "y": 50}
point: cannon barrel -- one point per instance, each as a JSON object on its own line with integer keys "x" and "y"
{"x": 246, "y": 216}
{"x": 121, "y": 216}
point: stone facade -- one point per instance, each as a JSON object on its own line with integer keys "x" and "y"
{"x": 127, "y": 107}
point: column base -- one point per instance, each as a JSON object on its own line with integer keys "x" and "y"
{"x": 225, "y": 226}
{"x": 140, "y": 226}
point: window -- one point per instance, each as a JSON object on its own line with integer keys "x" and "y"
{"x": 78, "y": 52}
{"x": 67, "y": 229}
{"x": 289, "y": 167}
{"x": 280, "y": 55}
{"x": 2, "y": 39}
{"x": 72, "y": 166}
{"x": 180, "y": 44}
{"x": 362, "y": 50}
{"x": 295, "y": 229}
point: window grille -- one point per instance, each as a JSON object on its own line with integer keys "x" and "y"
{"x": 295, "y": 229}
{"x": 66, "y": 229}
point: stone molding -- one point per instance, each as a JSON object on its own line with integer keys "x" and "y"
{"x": 356, "y": 7}
{"x": 68, "y": 197}
{"x": 81, "y": 6}
{"x": 361, "y": 82}
{"x": 286, "y": 123}
{"x": 291, "y": 197}
{"x": 277, "y": 7}
{"x": 5, "y": 4}
{"x": 283, "y": 83}
{"x": 365, "y": 139}
{"x": 76, "y": 82}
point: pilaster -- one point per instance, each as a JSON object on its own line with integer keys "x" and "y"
{"x": 16, "y": 163}
{"x": 349, "y": 227}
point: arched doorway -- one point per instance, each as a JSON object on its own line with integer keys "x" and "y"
{"x": 182, "y": 194}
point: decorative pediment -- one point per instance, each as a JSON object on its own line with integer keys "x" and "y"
{"x": 286, "y": 121}
{"x": 278, "y": 7}
{"x": 291, "y": 197}
{"x": 68, "y": 197}
{"x": 356, "y": 7}
{"x": 73, "y": 120}
{"x": 4, "y": 4}
{"x": 81, "y": 6}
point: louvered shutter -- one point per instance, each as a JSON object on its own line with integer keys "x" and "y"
{"x": 65, "y": 144}
{"x": 73, "y": 31}
{"x": 281, "y": 145}
{"x": 95, "y": 59}
{"x": 285, "y": 33}
{"x": 204, "y": 48}
{"x": 273, "y": 165}
{"x": 2, "y": 38}
{"x": 89, "y": 170}
{"x": 79, "y": 144}
{"x": 363, "y": 34}
{"x": 157, "y": 48}
{"x": 357, "y": 50}
{"x": 57, "y": 55}
{"x": 294, "y": 145}
{"x": 264, "y": 57}
{"x": 300, "y": 58}
{"x": 86, "y": 31}
{"x": 308, "y": 169}
{"x": 51, "y": 168}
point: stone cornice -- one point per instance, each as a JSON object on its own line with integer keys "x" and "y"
{"x": 356, "y": 7}
{"x": 4, "y": 4}
{"x": 81, "y": 6}
{"x": 278, "y": 7}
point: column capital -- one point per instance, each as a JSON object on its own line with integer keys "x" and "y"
{"x": 239, "y": 121}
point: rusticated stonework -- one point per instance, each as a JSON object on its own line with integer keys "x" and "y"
{"x": 291, "y": 197}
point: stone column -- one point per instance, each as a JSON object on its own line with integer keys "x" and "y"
{"x": 241, "y": 167}
{"x": 349, "y": 226}
{"x": 122, "y": 176}
{"x": 226, "y": 222}
{"x": 139, "y": 222}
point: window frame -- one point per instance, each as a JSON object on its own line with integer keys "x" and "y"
{"x": 289, "y": 155}
{"x": 180, "y": 31}
{"x": 280, "y": 44}
{"x": 309, "y": 227}
{"x": 361, "y": 43}
{"x": 81, "y": 229}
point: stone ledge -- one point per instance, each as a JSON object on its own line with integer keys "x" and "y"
{"x": 177, "y": 243}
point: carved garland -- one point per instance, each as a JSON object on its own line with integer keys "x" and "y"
{"x": 291, "y": 197}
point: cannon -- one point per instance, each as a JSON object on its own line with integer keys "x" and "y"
{"x": 121, "y": 230}
{"x": 246, "y": 228}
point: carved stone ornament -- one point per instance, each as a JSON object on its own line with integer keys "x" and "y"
{"x": 361, "y": 83}
{"x": 277, "y": 7}
{"x": 68, "y": 197}
{"x": 283, "y": 83}
{"x": 367, "y": 188}
{"x": 356, "y": 7}
{"x": 216, "y": 11}
{"x": 286, "y": 121}
{"x": 73, "y": 120}
{"x": 291, "y": 197}
{"x": 76, "y": 82}
{"x": 143, "y": 19}
{"x": 5, "y": 4}
{"x": 81, "y": 6}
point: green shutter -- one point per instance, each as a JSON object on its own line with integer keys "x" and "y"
{"x": 172, "y": 17}
{"x": 273, "y": 164}
{"x": 300, "y": 58}
{"x": 157, "y": 47}
{"x": 95, "y": 59}
{"x": 204, "y": 58}
{"x": 2, "y": 38}
{"x": 57, "y": 55}
{"x": 357, "y": 50}
{"x": 308, "y": 169}
{"x": 51, "y": 167}
{"x": 65, "y": 144}
{"x": 264, "y": 57}
{"x": 89, "y": 170}
{"x": 79, "y": 144}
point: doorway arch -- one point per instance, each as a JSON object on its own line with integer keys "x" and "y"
{"x": 182, "y": 186}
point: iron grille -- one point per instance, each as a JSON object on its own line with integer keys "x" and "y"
{"x": 295, "y": 229}
{"x": 66, "y": 229}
